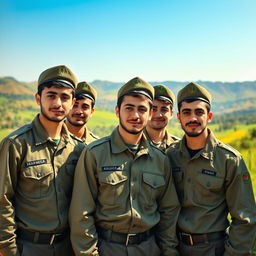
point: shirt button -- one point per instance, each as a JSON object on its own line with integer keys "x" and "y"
{"x": 39, "y": 174}
{"x": 112, "y": 181}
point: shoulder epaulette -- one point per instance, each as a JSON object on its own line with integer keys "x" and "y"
{"x": 228, "y": 148}
{"x": 99, "y": 142}
{"x": 13, "y": 135}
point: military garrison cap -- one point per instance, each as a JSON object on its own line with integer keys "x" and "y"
{"x": 162, "y": 92}
{"x": 193, "y": 91}
{"x": 59, "y": 74}
{"x": 137, "y": 85}
{"x": 85, "y": 90}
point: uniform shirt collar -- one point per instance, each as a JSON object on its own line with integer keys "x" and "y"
{"x": 207, "y": 151}
{"x": 118, "y": 145}
{"x": 41, "y": 136}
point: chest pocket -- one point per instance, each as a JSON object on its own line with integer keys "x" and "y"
{"x": 209, "y": 189}
{"x": 112, "y": 186}
{"x": 35, "y": 181}
{"x": 151, "y": 188}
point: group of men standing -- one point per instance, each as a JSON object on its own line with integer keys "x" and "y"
{"x": 139, "y": 191}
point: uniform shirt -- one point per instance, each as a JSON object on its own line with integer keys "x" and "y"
{"x": 88, "y": 136}
{"x": 211, "y": 184}
{"x": 118, "y": 191}
{"x": 36, "y": 181}
{"x": 165, "y": 143}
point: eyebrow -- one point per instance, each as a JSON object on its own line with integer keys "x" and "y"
{"x": 55, "y": 93}
{"x": 129, "y": 105}
{"x": 51, "y": 92}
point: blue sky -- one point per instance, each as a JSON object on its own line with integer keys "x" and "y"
{"x": 183, "y": 40}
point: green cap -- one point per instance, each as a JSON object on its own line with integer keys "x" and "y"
{"x": 58, "y": 74}
{"x": 193, "y": 91}
{"x": 162, "y": 92}
{"x": 137, "y": 85}
{"x": 85, "y": 90}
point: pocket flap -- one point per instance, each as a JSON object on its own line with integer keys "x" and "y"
{"x": 37, "y": 172}
{"x": 112, "y": 178}
{"x": 210, "y": 182}
{"x": 153, "y": 180}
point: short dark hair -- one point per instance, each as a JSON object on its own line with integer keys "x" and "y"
{"x": 120, "y": 100}
{"x": 208, "y": 106}
{"x": 52, "y": 84}
{"x": 80, "y": 97}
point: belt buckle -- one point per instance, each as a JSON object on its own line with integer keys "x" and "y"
{"x": 190, "y": 239}
{"x": 128, "y": 238}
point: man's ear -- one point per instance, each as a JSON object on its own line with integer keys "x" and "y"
{"x": 178, "y": 116}
{"x": 210, "y": 115}
{"x": 117, "y": 111}
{"x": 38, "y": 98}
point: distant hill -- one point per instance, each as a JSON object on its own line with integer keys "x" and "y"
{"x": 228, "y": 97}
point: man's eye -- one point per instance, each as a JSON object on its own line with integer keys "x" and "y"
{"x": 65, "y": 98}
{"x": 199, "y": 112}
{"x": 142, "y": 110}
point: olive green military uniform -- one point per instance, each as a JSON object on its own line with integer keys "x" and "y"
{"x": 165, "y": 143}
{"x": 209, "y": 185}
{"x": 35, "y": 190}
{"x": 36, "y": 181}
{"x": 117, "y": 194}
{"x": 88, "y": 136}
{"x": 85, "y": 90}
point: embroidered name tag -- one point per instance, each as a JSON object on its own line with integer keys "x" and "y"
{"x": 209, "y": 172}
{"x": 175, "y": 169}
{"x": 36, "y": 162}
{"x": 111, "y": 168}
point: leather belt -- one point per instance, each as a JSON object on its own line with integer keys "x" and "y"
{"x": 123, "y": 238}
{"x": 192, "y": 239}
{"x": 40, "y": 237}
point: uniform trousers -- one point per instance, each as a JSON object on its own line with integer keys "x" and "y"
{"x": 145, "y": 248}
{"x": 214, "y": 248}
{"x": 61, "y": 248}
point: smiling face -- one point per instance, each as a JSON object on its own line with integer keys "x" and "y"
{"x": 162, "y": 113}
{"x": 55, "y": 103}
{"x": 133, "y": 114}
{"x": 194, "y": 117}
{"x": 81, "y": 112}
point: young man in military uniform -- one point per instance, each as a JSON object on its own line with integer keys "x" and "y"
{"x": 156, "y": 130}
{"x": 211, "y": 180}
{"x": 37, "y": 165}
{"x": 81, "y": 112}
{"x": 124, "y": 202}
